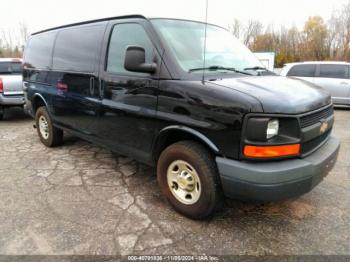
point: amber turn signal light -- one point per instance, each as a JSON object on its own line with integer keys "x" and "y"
{"x": 271, "y": 151}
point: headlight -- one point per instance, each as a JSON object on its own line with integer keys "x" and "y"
{"x": 272, "y": 128}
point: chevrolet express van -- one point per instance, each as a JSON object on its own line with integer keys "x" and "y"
{"x": 214, "y": 124}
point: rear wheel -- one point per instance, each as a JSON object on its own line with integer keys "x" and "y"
{"x": 49, "y": 135}
{"x": 188, "y": 177}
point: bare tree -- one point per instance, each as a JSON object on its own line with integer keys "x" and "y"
{"x": 345, "y": 23}
{"x": 339, "y": 34}
{"x": 23, "y": 34}
{"x": 236, "y": 28}
{"x": 7, "y": 38}
{"x": 252, "y": 30}
{"x": 334, "y": 36}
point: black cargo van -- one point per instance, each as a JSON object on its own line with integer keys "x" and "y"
{"x": 214, "y": 123}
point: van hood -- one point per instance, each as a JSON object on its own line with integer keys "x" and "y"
{"x": 279, "y": 95}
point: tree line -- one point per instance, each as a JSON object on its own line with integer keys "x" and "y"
{"x": 317, "y": 40}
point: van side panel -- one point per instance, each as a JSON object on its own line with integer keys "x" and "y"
{"x": 36, "y": 69}
{"x": 75, "y": 64}
{"x": 62, "y": 66}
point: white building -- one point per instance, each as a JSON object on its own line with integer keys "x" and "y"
{"x": 267, "y": 59}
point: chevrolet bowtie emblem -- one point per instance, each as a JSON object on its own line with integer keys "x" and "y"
{"x": 324, "y": 127}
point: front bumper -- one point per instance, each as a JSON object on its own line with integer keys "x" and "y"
{"x": 271, "y": 181}
{"x": 9, "y": 100}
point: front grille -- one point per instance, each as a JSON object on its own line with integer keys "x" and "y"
{"x": 309, "y": 146}
{"x": 314, "y": 118}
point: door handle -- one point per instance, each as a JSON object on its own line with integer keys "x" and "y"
{"x": 92, "y": 85}
{"x": 344, "y": 83}
{"x": 102, "y": 87}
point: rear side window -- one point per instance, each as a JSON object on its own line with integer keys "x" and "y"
{"x": 125, "y": 35}
{"x": 302, "y": 70}
{"x": 334, "y": 71}
{"x": 77, "y": 48}
{"x": 14, "y": 68}
{"x": 38, "y": 52}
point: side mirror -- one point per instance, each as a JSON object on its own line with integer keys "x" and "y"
{"x": 135, "y": 60}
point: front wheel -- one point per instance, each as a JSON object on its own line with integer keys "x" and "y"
{"x": 188, "y": 177}
{"x": 49, "y": 135}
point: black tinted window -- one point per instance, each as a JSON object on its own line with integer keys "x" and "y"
{"x": 38, "y": 52}
{"x": 125, "y": 35}
{"x": 302, "y": 71}
{"x": 334, "y": 71}
{"x": 77, "y": 48}
{"x": 10, "y": 68}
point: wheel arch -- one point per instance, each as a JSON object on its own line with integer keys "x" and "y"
{"x": 176, "y": 133}
{"x": 37, "y": 101}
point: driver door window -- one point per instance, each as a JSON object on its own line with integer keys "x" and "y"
{"x": 124, "y": 35}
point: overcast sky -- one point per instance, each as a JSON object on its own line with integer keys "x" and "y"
{"x": 41, "y": 14}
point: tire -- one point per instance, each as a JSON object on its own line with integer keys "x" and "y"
{"x": 190, "y": 160}
{"x": 50, "y": 136}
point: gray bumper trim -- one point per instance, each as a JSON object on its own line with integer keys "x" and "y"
{"x": 276, "y": 175}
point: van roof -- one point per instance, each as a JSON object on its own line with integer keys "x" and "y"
{"x": 119, "y": 17}
{"x": 91, "y": 21}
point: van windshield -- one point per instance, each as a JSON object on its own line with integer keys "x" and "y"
{"x": 223, "y": 51}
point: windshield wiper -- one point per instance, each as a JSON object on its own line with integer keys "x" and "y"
{"x": 215, "y": 68}
{"x": 256, "y": 68}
